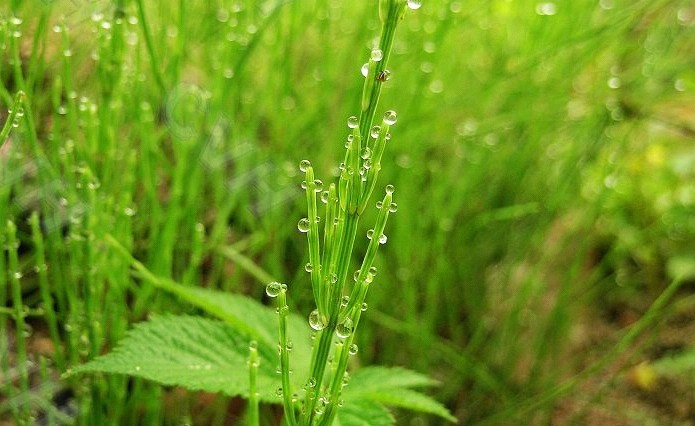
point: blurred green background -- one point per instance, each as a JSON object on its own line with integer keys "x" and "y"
{"x": 544, "y": 168}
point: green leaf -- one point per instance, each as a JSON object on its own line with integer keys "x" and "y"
{"x": 391, "y": 386}
{"x": 364, "y": 413}
{"x": 245, "y": 314}
{"x": 376, "y": 378}
{"x": 193, "y": 352}
{"x": 253, "y": 318}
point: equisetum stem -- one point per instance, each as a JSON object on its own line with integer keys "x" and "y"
{"x": 253, "y": 393}
{"x": 285, "y": 347}
{"x": 13, "y": 118}
{"x": 345, "y": 202}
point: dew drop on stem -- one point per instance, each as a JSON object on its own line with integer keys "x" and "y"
{"x": 304, "y": 165}
{"x": 414, "y": 4}
{"x": 344, "y": 329}
{"x": 376, "y": 55}
{"x": 390, "y": 117}
{"x": 273, "y": 289}
{"x": 303, "y": 225}
{"x": 352, "y": 122}
{"x": 316, "y": 320}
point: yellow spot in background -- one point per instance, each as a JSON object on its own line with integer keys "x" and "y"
{"x": 655, "y": 154}
{"x": 643, "y": 376}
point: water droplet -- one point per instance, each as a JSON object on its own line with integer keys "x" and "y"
{"x": 253, "y": 345}
{"x": 352, "y": 122}
{"x": 311, "y": 383}
{"x": 318, "y": 185}
{"x": 344, "y": 329}
{"x": 317, "y": 321}
{"x": 57, "y": 29}
{"x": 370, "y": 234}
{"x": 344, "y": 301}
{"x": 382, "y": 239}
{"x": 364, "y": 306}
{"x": 17, "y": 275}
{"x": 366, "y": 153}
{"x": 321, "y": 405}
{"x": 390, "y": 117}
{"x": 376, "y": 55}
{"x": 353, "y": 349}
{"x": 278, "y": 392}
{"x": 303, "y": 225}
{"x": 375, "y": 131}
{"x": 393, "y": 208}
{"x": 372, "y": 270}
{"x": 304, "y": 165}
{"x": 614, "y": 82}
{"x": 379, "y": 204}
{"x": 308, "y": 267}
{"x": 334, "y": 278}
{"x": 414, "y": 4}
{"x": 289, "y": 345}
{"x": 273, "y": 289}
{"x": 546, "y": 9}
{"x": 137, "y": 368}
{"x": 389, "y": 189}
{"x": 303, "y": 184}
{"x": 383, "y": 76}
{"x": 324, "y": 197}
{"x": 365, "y": 69}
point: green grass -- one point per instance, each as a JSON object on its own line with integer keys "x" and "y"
{"x": 543, "y": 166}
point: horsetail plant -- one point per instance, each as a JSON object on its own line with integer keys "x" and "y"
{"x": 201, "y": 354}
{"x": 336, "y": 313}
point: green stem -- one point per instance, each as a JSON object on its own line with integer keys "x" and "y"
{"x": 253, "y": 393}
{"x": 12, "y": 118}
{"x": 150, "y": 47}
{"x": 285, "y": 347}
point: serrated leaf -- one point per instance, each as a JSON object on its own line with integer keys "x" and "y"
{"x": 193, "y": 352}
{"x": 390, "y": 386}
{"x": 411, "y": 400}
{"x": 244, "y": 313}
{"x": 364, "y": 413}
{"x": 375, "y": 378}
